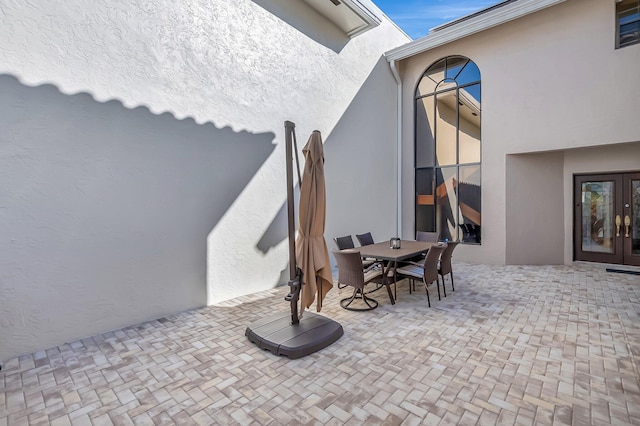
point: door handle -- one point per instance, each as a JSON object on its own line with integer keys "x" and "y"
{"x": 627, "y": 225}
{"x": 618, "y": 223}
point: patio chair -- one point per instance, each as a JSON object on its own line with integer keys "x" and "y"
{"x": 431, "y": 237}
{"x": 470, "y": 232}
{"x": 351, "y": 272}
{"x": 344, "y": 243}
{"x": 365, "y": 239}
{"x": 444, "y": 267}
{"x": 427, "y": 272}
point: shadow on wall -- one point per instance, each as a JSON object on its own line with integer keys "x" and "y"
{"x": 278, "y": 228}
{"x": 361, "y": 162}
{"x": 107, "y": 207}
{"x": 360, "y": 167}
{"x": 306, "y": 20}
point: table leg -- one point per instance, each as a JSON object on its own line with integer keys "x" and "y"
{"x": 385, "y": 280}
{"x": 395, "y": 279}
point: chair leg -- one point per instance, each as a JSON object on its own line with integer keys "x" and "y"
{"x": 371, "y": 303}
{"x": 452, "y": 287}
{"x": 444, "y": 288}
{"x": 438, "y": 287}
{"x": 428, "y": 298}
{"x": 376, "y": 288}
{"x": 378, "y": 284}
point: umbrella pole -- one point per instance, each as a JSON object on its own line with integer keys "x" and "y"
{"x": 281, "y": 333}
{"x": 295, "y": 275}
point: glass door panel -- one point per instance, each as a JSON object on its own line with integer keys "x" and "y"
{"x": 597, "y": 213}
{"x": 597, "y": 216}
{"x": 631, "y": 219}
{"x": 635, "y": 217}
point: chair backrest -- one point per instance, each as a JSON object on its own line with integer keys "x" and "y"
{"x": 365, "y": 239}
{"x": 430, "y": 271}
{"x": 345, "y": 242}
{"x": 445, "y": 259}
{"x": 470, "y": 232}
{"x": 475, "y": 233}
{"x": 431, "y": 237}
{"x": 350, "y": 270}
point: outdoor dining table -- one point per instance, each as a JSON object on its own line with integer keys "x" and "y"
{"x": 383, "y": 251}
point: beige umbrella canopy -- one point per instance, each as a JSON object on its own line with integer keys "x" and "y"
{"x": 312, "y": 255}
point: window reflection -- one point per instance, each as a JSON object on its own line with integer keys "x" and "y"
{"x": 469, "y": 200}
{"x": 446, "y": 203}
{"x": 455, "y": 64}
{"x": 436, "y": 72}
{"x": 472, "y": 94}
{"x": 469, "y": 124}
{"x": 597, "y": 216}
{"x": 628, "y": 22}
{"x": 635, "y": 217}
{"x": 425, "y": 202}
{"x": 425, "y": 87}
{"x": 446, "y": 124}
{"x": 448, "y": 150}
{"x": 445, "y": 85}
{"x": 425, "y": 132}
{"x": 469, "y": 74}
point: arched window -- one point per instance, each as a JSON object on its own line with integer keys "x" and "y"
{"x": 447, "y": 150}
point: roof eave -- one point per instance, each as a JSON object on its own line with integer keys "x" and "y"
{"x": 468, "y": 27}
{"x": 354, "y": 17}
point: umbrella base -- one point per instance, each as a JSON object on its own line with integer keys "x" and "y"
{"x": 276, "y": 334}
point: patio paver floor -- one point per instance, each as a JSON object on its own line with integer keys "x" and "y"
{"x": 512, "y": 345}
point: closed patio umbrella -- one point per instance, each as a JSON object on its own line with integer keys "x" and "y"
{"x": 289, "y": 334}
{"x": 312, "y": 255}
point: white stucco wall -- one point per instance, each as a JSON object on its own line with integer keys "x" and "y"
{"x": 551, "y": 81}
{"x": 142, "y": 157}
{"x": 361, "y": 174}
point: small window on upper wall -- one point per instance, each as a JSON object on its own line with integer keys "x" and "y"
{"x": 627, "y": 23}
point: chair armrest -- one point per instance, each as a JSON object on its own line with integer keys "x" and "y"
{"x": 408, "y": 262}
{"x": 372, "y": 267}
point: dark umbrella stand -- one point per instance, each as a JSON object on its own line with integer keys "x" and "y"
{"x": 286, "y": 333}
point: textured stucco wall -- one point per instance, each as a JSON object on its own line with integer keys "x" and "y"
{"x": 551, "y": 81}
{"x": 366, "y": 168}
{"x": 534, "y": 209}
{"x": 141, "y": 153}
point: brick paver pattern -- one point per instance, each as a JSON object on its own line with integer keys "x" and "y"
{"x": 512, "y": 345}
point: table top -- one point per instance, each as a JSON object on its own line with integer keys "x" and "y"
{"x": 383, "y": 251}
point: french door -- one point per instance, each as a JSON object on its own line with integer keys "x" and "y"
{"x": 607, "y": 218}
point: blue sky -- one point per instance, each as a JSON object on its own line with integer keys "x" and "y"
{"x": 416, "y": 17}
